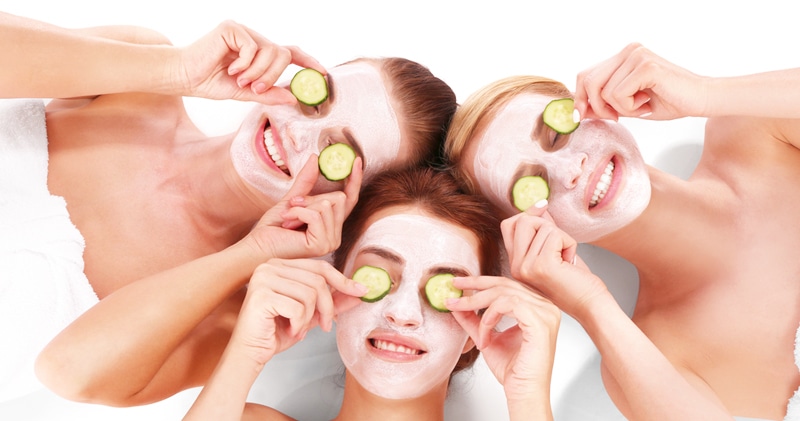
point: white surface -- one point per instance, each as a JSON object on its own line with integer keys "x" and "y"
{"x": 468, "y": 44}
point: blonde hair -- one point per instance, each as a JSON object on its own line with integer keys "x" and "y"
{"x": 480, "y": 107}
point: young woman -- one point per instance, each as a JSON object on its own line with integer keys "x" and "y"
{"x": 399, "y": 352}
{"x": 717, "y": 312}
{"x": 174, "y": 215}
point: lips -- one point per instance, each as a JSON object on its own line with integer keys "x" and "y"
{"x": 270, "y": 149}
{"x": 606, "y": 182}
{"x": 396, "y": 347}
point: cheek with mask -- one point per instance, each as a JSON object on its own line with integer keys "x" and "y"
{"x": 400, "y": 347}
{"x": 574, "y": 169}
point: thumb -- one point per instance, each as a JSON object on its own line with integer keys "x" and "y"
{"x": 305, "y": 180}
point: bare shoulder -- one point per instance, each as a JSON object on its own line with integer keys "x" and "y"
{"x": 257, "y": 412}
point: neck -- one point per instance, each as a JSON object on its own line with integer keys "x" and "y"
{"x": 674, "y": 237}
{"x": 216, "y": 197}
{"x": 359, "y": 404}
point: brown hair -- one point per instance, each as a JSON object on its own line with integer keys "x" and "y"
{"x": 473, "y": 115}
{"x": 438, "y": 194}
{"x": 425, "y": 103}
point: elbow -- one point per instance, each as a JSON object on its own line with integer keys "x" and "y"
{"x": 79, "y": 381}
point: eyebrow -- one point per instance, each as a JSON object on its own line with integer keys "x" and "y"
{"x": 449, "y": 269}
{"x": 330, "y": 87}
{"x": 386, "y": 254}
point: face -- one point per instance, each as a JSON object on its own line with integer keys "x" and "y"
{"x": 597, "y": 177}
{"x": 400, "y": 347}
{"x": 274, "y": 142}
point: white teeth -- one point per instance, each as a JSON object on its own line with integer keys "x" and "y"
{"x": 269, "y": 142}
{"x": 602, "y": 186}
{"x": 393, "y": 347}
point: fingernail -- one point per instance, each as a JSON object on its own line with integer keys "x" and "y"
{"x": 575, "y": 259}
{"x": 260, "y": 87}
{"x": 451, "y": 301}
{"x": 576, "y": 116}
{"x": 361, "y": 288}
{"x": 540, "y": 204}
{"x": 647, "y": 114}
{"x": 242, "y": 82}
{"x": 298, "y": 199}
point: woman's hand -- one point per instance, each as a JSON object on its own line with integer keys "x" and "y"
{"x": 637, "y": 83}
{"x": 301, "y": 225}
{"x": 287, "y": 298}
{"x": 545, "y": 257}
{"x": 236, "y": 62}
{"x": 521, "y": 357}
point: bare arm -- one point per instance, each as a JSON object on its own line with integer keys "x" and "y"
{"x": 638, "y": 83}
{"x": 643, "y": 383}
{"x": 166, "y": 332}
{"x": 230, "y": 62}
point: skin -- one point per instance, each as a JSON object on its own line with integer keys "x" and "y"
{"x": 715, "y": 253}
{"x": 176, "y": 216}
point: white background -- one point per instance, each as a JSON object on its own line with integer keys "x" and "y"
{"x": 468, "y": 44}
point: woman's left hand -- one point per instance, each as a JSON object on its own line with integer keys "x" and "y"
{"x": 521, "y": 357}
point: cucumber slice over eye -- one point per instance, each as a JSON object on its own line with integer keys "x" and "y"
{"x": 558, "y": 115}
{"x": 336, "y": 161}
{"x": 376, "y": 280}
{"x": 309, "y": 87}
{"x": 528, "y": 190}
{"x": 439, "y": 288}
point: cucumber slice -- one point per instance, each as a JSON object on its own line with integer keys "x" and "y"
{"x": 439, "y": 288}
{"x": 558, "y": 115}
{"x": 376, "y": 280}
{"x": 528, "y": 190}
{"x": 309, "y": 87}
{"x": 336, "y": 161}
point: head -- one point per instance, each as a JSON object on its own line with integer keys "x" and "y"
{"x": 393, "y": 111}
{"x": 597, "y": 177}
{"x": 414, "y": 224}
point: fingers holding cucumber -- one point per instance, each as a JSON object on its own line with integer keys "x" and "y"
{"x": 438, "y": 289}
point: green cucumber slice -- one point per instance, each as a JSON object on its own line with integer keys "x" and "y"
{"x": 439, "y": 288}
{"x": 528, "y": 190}
{"x": 309, "y": 87}
{"x": 336, "y": 161}
{"x": 558, "y": 115}
{"x": 376, "y": 280}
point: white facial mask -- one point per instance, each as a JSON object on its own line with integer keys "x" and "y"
{"x": 404, "y": 316}
{"x": 573, "y": 169}
{"x": 359, "y": 106}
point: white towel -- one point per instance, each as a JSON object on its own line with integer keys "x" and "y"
{"x": 793, "y": 410}
{"x": 42, "y": 284}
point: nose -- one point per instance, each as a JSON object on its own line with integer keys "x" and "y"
{"x": 571, "y": 168}
{"x": 403, "y": 311}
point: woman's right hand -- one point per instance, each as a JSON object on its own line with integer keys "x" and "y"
{"x": 285, "y": 299}
{"x": 638, "y": 83}
{"x": 236, "y": 62}
{"x": 304, "y": 225}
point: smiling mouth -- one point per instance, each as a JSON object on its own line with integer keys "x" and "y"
{"x": 602, "y": 186}
{"x": 393, "y": 347}
{"x": 272, "y": 150}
